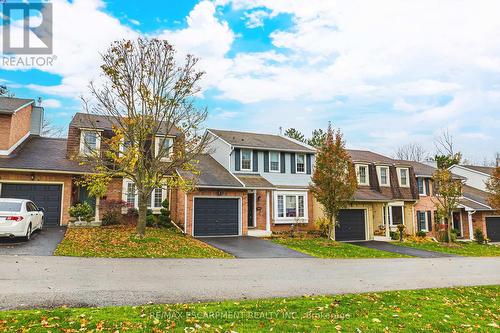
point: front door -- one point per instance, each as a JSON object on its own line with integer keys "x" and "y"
{"x": 456, "y": 223}
{"x": 251, "y": 222}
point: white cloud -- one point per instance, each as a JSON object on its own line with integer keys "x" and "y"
{"x": 255, "y": 19}
{"x": 51, "y": 103}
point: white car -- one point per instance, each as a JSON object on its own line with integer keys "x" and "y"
{"x": 19, "y": 218}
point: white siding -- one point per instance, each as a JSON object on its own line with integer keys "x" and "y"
{"x": 474, "y": 179}
{"x": 220, "y": 151}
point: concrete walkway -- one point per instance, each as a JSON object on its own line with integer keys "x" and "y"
{"x": 42, "y": 243}
{"x": 252, "y": 247}
{"x": 388, "y": 247}
{"x": 54, "y": 281}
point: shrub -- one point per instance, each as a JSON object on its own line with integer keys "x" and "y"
{"x": 322, "y": 224}
{"x": 421, "y": 234}
{"x": 479, "y": 236}
{"x": 394, "y": 235}
{"x": 442, "y": 236}
{"x": 164, "y": 219}
{"x": 82, "y": 212}
{"x": 112, "y": 211}
{"x": 151, "y": 219}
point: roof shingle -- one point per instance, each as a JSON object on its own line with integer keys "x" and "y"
{"x": 9, "y": 105}
{"x": 211, "y": 173}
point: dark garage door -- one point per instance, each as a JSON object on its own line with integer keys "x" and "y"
{"x": 46, "y": 196}
{"x": 351, "y": 225}
{"x": 216, "y": 217}
{"x": 493, "y": 228}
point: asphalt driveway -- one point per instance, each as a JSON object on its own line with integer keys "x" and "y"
{"x": 388, "y": 247}
{"x": 252, "y": 247}
{"x": 42, "y": 243}
{"x": 54, "y": 281}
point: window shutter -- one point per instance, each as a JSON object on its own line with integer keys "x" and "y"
{"x": 292, "y": 162}
{"x": 429, "y": 220}
{"x": 427, "y": 187}
{"x": 282, "y": 162}
{"x": 255, "y": 160}
{"x": 237, "y": 159}
{"x": 266, "y": 161}
{"x": 308, "y": 164}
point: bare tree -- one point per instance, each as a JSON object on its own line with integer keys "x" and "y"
{"x": 446, "y": 155}
{"x": 411, "y": 152}
{"x": 51, "y": 131}
{"x": 147, "y": 96}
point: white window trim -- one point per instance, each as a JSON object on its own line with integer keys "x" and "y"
{"x": 407, "y": 177}
{"x": 279, "y": 161}
{"x": 390, "y": 214}
{"x": 158, "y": 139}
{"x": 358, "y": 166}
{"x": 164, "y": 194}
{"x": 426, "y": 222}
{"x": 241, "y": 160}
{"x": 379, "y": 175}
{"x": 290, "y": 220}
{"x": 423, "y": 186}
{"x": 297, "y": 163}
{"x": 82, "y": 141}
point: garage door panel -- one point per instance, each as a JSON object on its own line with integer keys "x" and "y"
{"x": 216, "y": 217}
{"x": 351, "y": 225}
{"x": 493, "y": 228}
{"x": 43, "y": 195}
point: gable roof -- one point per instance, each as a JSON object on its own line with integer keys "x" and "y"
{"x": 211, "y": 173}
{"x": 368, "y": 156}
{"x": 44, "y": 154}
{"x": 475, "y": 194}
{"x": 9, "y": 105}
{"x": 483, "y": 169}
{"x": 104, "y": 122}
{"x": 261, "y": 141}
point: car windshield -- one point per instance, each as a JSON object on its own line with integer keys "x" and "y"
{"x": 10, "y": 206}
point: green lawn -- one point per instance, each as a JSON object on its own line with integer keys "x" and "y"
{"x": 120, "y": 242}
{"x": 460, "y": 248}
{"x": 472, "y": 309}
{"x": 324, "y": 248}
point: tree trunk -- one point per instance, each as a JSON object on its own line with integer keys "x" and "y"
{"x": 450, "y": 224}
{"x": 143, "y": 209}
{"x": 332, "y": 228}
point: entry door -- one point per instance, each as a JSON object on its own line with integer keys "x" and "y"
{"x": 456, "y": 223}
{"x": 251, "y": 217}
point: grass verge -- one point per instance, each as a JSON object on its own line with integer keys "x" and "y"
{"x": 471, "y": 309}
{"x": 324, "y": 248}
{"x": 467, "y": 249}
{"x": 121, "y": 242}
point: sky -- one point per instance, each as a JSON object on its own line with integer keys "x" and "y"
{"x": 387, "y": 73}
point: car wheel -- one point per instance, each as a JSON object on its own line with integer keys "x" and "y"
{"x": 28, "y": 233}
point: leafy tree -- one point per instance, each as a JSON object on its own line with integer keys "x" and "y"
{"x": 493, "y": 187}
{"x": 448, "y": 193}
{"x": 3, "y": 90}
{"x": 334, "y": 179}
{"x": 295, "y": 134}
{"x": 317, "y": 139}
{"x": 146, "y": 94}
{"x": 446, "y": 161}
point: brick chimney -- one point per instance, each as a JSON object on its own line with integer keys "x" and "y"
{"x": 15, "y": 122}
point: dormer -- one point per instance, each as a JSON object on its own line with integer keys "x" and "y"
{"x": 18, "y": 119}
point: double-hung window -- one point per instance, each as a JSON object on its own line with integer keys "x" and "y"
{"x": 274, "y": 161}
{"x": 164, "y": 147}
{"x": 90, "y": 142}
{"x": 362, "y": 174}
{"x": 300, "y": 163}
{"x": 423, "y": 219}
{"x": 131, "y": 197}
{"x": 421, "y": 186}
{"x": 246, "y": 159}
{"x": 290, "y": 207}
{"x": 383, "y": 175}
{"x": 404, "y": 180}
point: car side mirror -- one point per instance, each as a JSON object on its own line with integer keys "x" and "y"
{"x": 41, "y": 209}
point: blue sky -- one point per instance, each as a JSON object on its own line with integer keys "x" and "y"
{"x": 387, "y": 73}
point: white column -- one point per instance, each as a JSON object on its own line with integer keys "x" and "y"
{"x": 387, "y": 223}
{"x": 96, "y": 217}
{"x": 469, "y": 218}
{"x": 268, "y": 212}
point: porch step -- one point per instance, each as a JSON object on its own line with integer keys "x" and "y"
{"x": 259, "y": 233}
{"x": 382, "y": 238}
